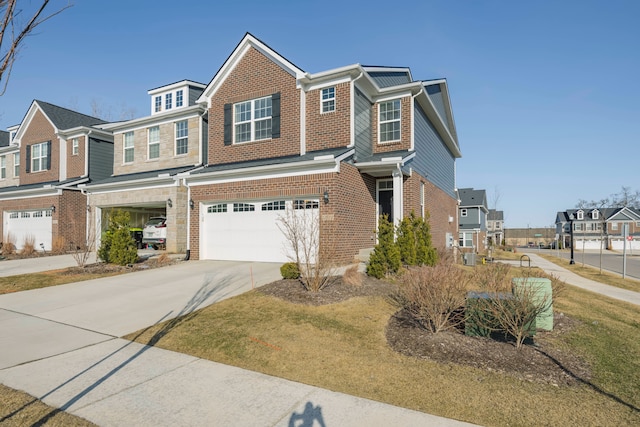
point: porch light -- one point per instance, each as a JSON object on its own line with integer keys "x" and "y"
{"x": 325, "y": 197}
{"x": 53, "y": 209}
{"x": 169, "y": 203}
{"x": 191, "y": 204}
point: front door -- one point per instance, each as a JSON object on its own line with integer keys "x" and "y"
{"x": 385, "y": 199}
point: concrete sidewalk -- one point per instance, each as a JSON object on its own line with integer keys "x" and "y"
{"x": 579, "y": 281}
{"x": 61, "y": 345}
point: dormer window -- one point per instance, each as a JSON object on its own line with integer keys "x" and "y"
{"x": 595, "y": 214}
{"x": 12, "y": 135}
{"x": 158, "y": 104}
{"x": 179, "y": 98}
{"x": 168, "y": 101}
{"x": 580, "y": 215}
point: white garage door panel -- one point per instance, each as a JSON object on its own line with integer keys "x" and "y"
{"x": 29, "y": 224}
{"x": 244, "y": 236}
{"x": 618, "y": 245}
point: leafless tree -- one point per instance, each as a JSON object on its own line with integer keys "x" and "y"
{"x": 82, "y": 252}
{"x": 17, "y": 23}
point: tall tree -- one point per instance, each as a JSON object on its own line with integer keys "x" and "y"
{"x": 16, "y": 23}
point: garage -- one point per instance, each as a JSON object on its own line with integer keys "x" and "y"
{"x": 587, "y": 244}
{"x": 248, "y": 231}
{"x": 618, "y": 245}
{"x": 31, "y": 224}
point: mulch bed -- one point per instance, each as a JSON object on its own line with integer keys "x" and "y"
{"x": 541, "y": 361}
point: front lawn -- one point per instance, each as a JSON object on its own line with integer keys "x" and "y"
{"x": 343, "y": 346}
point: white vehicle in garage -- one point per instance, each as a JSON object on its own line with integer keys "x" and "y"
{"x": 154, "y": 233}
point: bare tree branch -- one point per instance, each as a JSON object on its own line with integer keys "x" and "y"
{"x": 12, "y": 34}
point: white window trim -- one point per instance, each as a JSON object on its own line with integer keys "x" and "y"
{"x": 175, "y": 138}
{"x": 181, "y": 92}
{"x": 3, "y": 167}
{"x": 168, "y": 101}
{"x": 75, "y": 147}
{"x": 327, "y": 101}
{"x": 464, "y": 212}
{"x": 380, "y": 122}
{"x": 252, "y": 121}
{"x": 157, "y": 104}
{"x": 149, "y": 143}
{"x": 16, "y": 165}
{"x": 580, "y": 215}
{"x": 41, "y": 157}
{"x": 125, "y": 148}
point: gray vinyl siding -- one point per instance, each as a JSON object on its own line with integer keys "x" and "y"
{"x": 434, "y": 160}
{"x": 435, "y": 94}
{"x": 194, "y": 94}
{"x": 100, "y": 159}
{"x": 362, "y": 126}
{"x": 471, "y": 221}
{"x": 390, "y": 78}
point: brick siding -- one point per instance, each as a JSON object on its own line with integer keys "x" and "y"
{"x": 328, "y": 130}
{"x": 39, "y": 130}
{"x": 75, "y": 164}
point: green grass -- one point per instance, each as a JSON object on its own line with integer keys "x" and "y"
{"x": 25, "y": 282}
{"x": 342, "y": 347}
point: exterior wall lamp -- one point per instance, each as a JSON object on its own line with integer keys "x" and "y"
{"x": 53, "y": 209}
{"x": 169, "y": 203}
{"x": 325, "y": 197}
{"x": 191, "y": 204}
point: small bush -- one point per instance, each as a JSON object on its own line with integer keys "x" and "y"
{"x": 9, "y": 245}
{"x": 385, "y": 258}
{"x": 433, "y": 296}
{"x": 117, "y": 245}
{"x": 29, "y": 246}
{"x": 290, "y": 270}
{"x": 352, "y": 277}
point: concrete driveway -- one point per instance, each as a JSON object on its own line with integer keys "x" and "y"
{"x": 46, "y": 322}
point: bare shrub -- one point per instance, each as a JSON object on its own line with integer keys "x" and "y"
{"x": 59, "y": 245}
{"x": 301, "y": 228}
{"x": 163, "y": 259}
{"x": 29, "y": 245}
{"x": 433, "y": 296}
{"x": 512, "y": 311}
{"x": 352, "y": 277}
{"x": 82, "y": 252}
{"x": 9, "y": 244}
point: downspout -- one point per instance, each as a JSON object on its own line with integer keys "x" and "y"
{"x": 188, "y": 254}
{"x": 413, "y": 107}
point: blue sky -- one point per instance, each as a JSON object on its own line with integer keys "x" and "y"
{"x": 545, "y": 94}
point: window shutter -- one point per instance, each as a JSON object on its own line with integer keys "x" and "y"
{"x": 275, "y": 115}
{"x": 27, "y": 167}
{"x": 49, "y": 155}
{"x": 228, "y": 124}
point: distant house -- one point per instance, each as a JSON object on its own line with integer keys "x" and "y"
{"x": 472, "y": 217}
{"x": 596, "y": 228}
{"x": 495, "y": 227}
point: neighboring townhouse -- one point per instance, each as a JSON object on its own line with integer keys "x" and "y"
{"x": 473, "y": 219}
{"x": 149, "y": 153}
{"x": 49, "y": 154}
{"x": 594, "y": 228}
{"x": 9, "y": 159}
{"x": 342, "y": 146}
{"x": 495, "y": 227}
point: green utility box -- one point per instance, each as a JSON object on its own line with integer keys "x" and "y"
{"x": 540, "y": 293}
{"x": 478, "y": 321}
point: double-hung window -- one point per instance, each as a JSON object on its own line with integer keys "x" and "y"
{"x": 39, "y": 157}
{"x": 153, "y": 138}
{"x": 158, "y": 104}
{"x": 328, "y": 99}
{"x": 182, "y": 137}
{"x": 16, "y": 164}
{"x": 75, "y": 147}
{"x": 168, "y": 101}
{"x": 179, "y": 98}
{"x": 253, "y": 120}
{"x": 389, "y": 120}
{"x": 128, "y": 147}
{"x": 3, "y": 167}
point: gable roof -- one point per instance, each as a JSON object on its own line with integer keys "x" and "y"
{"x": 63, "y": 118}
{"x": 470, "y": 197}
{"x": 248, "y": 41}
{"x": 495, "y": 215}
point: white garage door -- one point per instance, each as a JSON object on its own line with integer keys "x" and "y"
{"x": 249, "y": 231}
{"x": 25, "y": 225}
{"x": 587, "y": 244}
{"x": 618, "y": 245}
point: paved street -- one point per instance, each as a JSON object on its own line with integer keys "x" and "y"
{"x": 611, "y": 261}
